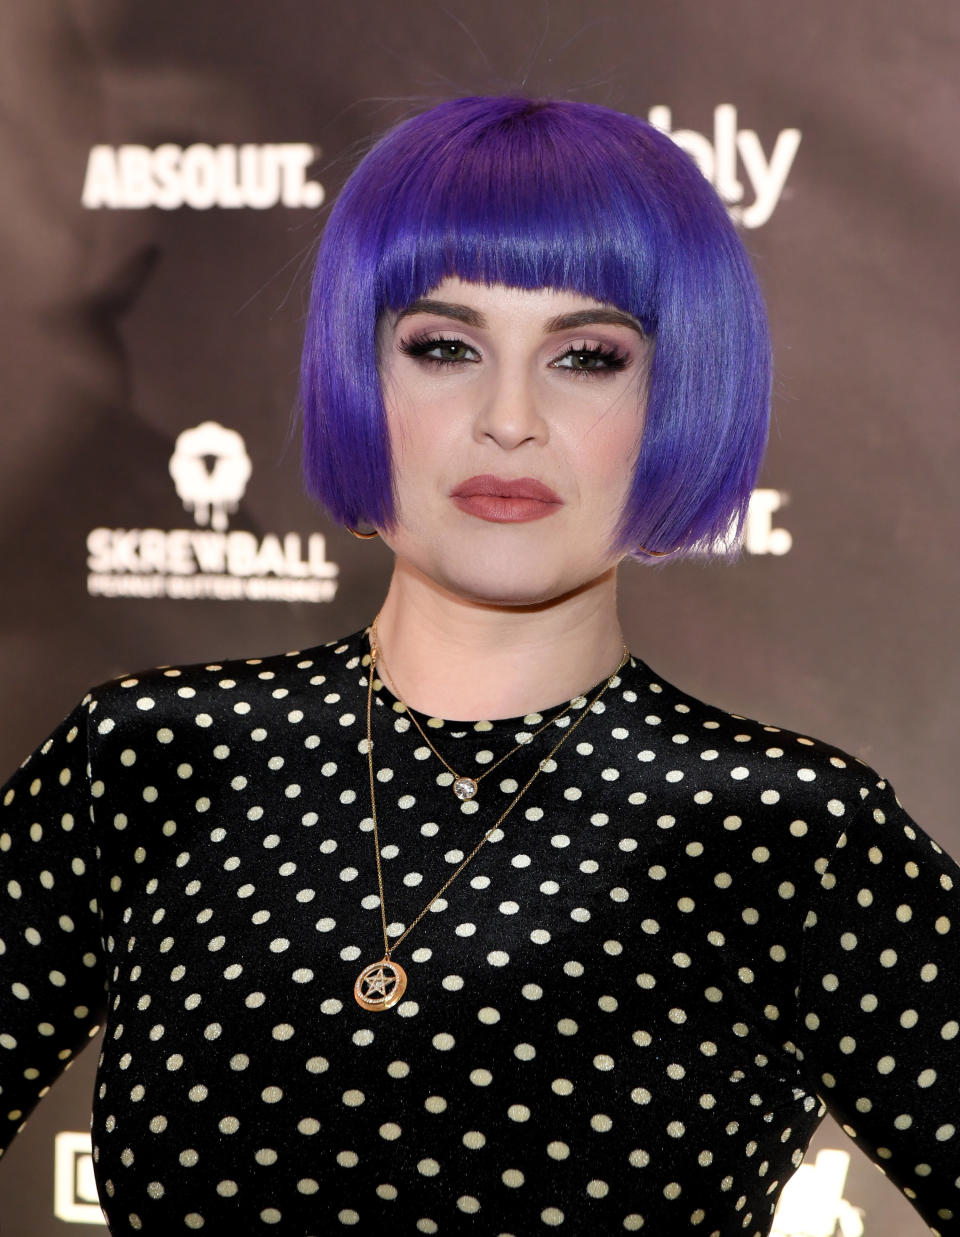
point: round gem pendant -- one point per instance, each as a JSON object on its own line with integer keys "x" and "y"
{"x": 464, "y": 788}
{"x": 380, "y": 985}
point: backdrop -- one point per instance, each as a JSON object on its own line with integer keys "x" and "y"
{"x": 165, "y": 167}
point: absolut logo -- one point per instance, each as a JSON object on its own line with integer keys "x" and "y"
{"x": 256, "y": 176}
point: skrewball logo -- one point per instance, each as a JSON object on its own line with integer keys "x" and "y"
{"x": 210, "y": 468}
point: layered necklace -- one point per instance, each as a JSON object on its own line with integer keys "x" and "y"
{"x": 463, "y": 786}
{"x": 380, "y": 985}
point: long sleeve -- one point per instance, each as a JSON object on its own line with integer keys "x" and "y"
{"x": 880, "y": 1001}
{"x": 51, "y": 966}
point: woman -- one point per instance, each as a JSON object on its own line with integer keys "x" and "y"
{"x": 599, "y": 960}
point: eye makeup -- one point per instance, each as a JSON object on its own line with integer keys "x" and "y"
{"x": 447, "y": 350}
{"x": 589, "y": 358}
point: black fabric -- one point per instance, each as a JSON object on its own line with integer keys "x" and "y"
{"x": 621, "y": 1016}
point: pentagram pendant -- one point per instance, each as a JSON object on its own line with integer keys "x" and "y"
{"x": 464, "y": 788}
{"x": 380, "y": 985}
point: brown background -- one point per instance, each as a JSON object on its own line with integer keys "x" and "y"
{"x": 121, "y": 328}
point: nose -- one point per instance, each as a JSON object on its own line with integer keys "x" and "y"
{"x": 509, "y": 412}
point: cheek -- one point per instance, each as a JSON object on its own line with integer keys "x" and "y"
{"x": 414, "y": 448}
{"x": 421, "y": 450}
{"x": 423, "y": 422}
{"x": 607, "y": 410}
{"x": 403, "y": 425}
{"x": 605, "y": 449}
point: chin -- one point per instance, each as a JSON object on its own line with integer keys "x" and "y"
{"x": 507, "y": 566}
{"x": 514, "y": 583}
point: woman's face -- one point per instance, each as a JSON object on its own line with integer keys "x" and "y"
{"x": 515, "y": 420}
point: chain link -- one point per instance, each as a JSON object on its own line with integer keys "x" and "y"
{"x": 587, "y": 709}
{"x": 478, "y": 778}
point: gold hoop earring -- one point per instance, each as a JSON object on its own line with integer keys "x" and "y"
{"x": 361, "y": 536}
{"x": 642, "y": 549}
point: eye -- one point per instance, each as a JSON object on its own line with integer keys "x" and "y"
{"x": 438, "y": 350}
{"x": 592, "y": 359}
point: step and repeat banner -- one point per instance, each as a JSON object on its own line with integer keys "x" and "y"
{"x": 166, "y": 169}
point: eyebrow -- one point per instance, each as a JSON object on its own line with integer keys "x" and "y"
{"x": 562, "y": 322}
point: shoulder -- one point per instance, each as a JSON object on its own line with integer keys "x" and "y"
{"x": 201, "y": 691}
{"x": 766, "y": 769}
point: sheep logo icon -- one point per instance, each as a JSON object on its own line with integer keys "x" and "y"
{"x": 210, "y": 469}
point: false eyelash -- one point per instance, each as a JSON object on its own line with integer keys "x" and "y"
{"x": 614, "y": 358}
{"x": 419, "y": 345}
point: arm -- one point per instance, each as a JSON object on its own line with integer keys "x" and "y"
{"x": 51, "y": 966}
{"x": 879, "y": 1002}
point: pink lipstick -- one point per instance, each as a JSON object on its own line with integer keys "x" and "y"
{"x": 504, "y": 501}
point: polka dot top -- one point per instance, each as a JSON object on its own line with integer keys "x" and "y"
{"x": 692, "y": 935}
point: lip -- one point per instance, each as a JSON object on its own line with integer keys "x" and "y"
{"x": 499, "y": 487}
{"x": 505, "y": 501}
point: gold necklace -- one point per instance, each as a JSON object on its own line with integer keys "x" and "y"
{"x": 464, "y": 786}
{"x": 380, "y": 985}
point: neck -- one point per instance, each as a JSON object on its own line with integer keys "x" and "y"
{"x": 463, "y": 660}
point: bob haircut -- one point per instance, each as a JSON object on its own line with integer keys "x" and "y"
{"x": 547, "y": 194}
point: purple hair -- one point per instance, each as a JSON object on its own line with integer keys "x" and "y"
{"x": 547, "y": 194}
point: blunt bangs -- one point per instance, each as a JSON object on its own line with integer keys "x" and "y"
{"x": 547, "y": 194}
